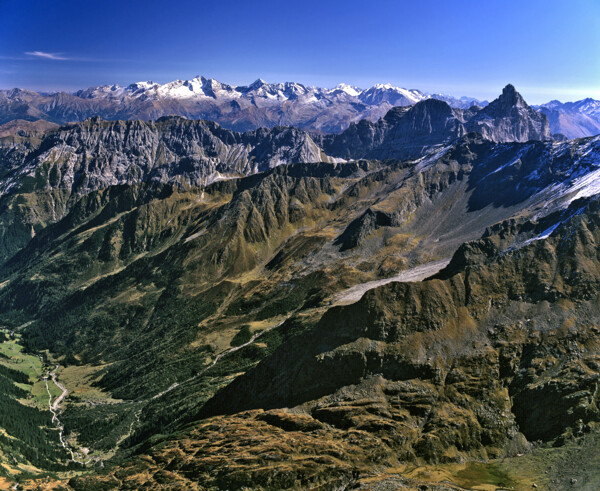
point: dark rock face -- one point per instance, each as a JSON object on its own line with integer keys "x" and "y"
{"x": 426, "y": 124}
{"x": 363, "y": 226}
{"x": 402, "y": 133}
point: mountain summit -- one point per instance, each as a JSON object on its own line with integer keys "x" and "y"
{"x": 510, "y": 97}
{"x": 510, "y": 118}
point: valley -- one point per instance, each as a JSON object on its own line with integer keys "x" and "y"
{"x": 410, "y": 302}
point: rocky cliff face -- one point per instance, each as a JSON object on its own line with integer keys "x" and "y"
{"x": 95, "y": 154}
{"x": 449, "y": 368}
{"x": 45, "y": 172}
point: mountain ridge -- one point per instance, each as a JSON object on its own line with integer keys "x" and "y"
{"x": 246, "y": 107}
{"x": 235, "y": 107}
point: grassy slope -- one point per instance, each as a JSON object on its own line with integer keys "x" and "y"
{"x": 139, "y": 288}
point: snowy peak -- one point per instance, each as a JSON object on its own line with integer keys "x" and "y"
{"x": 351, "y": 90}
{"x": 259, "y": 82}
{"x": 379, "y": 97}
{"x": 395, "y": 96}
{"x": 200, "y": 87}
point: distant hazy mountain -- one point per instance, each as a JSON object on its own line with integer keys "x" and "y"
{"x": 235, "y": 107}
{"x": 573, "y": 119}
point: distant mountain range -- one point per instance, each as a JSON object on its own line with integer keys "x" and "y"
{"x": 259, "y": 104}
{"x": 87, "y": 156}
{"x": 573, "y": 119}
{"x": 239, "y": 108}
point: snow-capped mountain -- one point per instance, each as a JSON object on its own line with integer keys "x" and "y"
{"x": 395, "y": 96}
{"x": 325, "y": 110}
{"x": 260, "y": 104}
{"x": 573, "y": 119}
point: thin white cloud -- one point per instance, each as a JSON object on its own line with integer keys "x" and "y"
{"x": 47, "y": 56}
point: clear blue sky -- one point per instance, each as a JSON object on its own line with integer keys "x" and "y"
{"x": 547, "y": 48}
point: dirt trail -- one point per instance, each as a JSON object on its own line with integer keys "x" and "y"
{"x": 419, "y": 273}
{"x": 218, "y": 357}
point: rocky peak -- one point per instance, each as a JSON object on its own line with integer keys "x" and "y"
{"x": 510, "y": 93}
{"x": 510, "y": 118}
{"x": 95, "y": 154}
{"x": 507, "y": 101}
{"x": 431, "y": 108}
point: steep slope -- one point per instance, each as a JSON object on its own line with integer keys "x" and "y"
{"x": 43, "y": 174}
{"x": 95, "y": 154}
{"x": 498, "y": 351}
{"x": 449, "y": 368}
{"x": 402, "y": 133}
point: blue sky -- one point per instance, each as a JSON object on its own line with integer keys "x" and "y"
{"x": 547, "y": 49}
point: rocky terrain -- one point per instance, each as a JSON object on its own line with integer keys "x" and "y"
{"x": 47, "y": 171}
{"x": 261, "y": 104}
{"x": 182, "y": 283}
